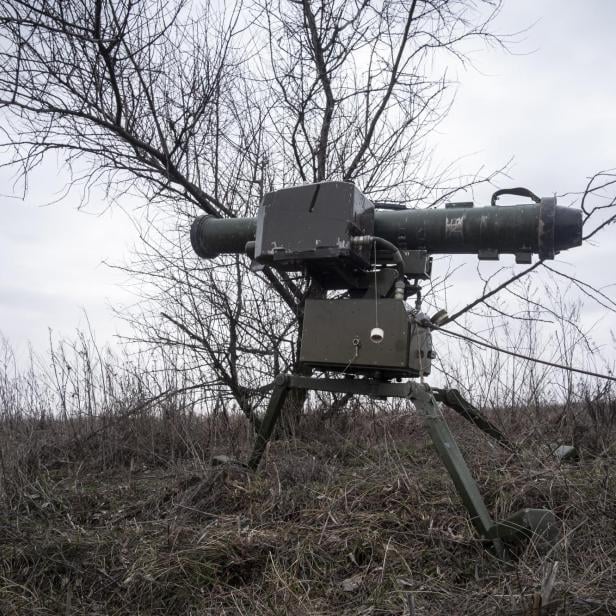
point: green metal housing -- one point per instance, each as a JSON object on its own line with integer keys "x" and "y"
{"x": 336, "y": 337}
{"x": 338, "y": 239}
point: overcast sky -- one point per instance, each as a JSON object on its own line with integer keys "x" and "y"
{"x": 551, "y": 106}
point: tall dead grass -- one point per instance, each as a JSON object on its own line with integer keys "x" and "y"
{"x": 110, "y": 505}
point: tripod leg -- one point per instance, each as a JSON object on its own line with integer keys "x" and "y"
{"x": 456, "y": 466}
{"x": 279, "y": 395}
{"x": 454, "y": 400}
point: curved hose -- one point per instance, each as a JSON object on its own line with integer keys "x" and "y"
{"x": 397, "y": 255}
{"x": 365, "y": 240}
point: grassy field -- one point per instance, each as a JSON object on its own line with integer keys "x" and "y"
{"x": 352, "y": 515}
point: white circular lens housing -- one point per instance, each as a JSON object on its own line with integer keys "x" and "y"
{"x": 377, "y": 335}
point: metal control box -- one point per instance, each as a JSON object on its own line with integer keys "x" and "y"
{"x": 336, "y": 337}
{"x": 310, "y": 227}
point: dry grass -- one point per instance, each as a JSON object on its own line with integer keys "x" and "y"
{"x": 352, "y": 516}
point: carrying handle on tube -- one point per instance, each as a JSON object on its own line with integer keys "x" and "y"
{"x": 518, "y": 192}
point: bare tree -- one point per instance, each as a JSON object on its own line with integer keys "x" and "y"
{"x": 355, "y": 88}
{"x": 192, "y": 104}
{"x": 129, "y": 87}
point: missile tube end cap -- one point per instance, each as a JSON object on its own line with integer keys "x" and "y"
{"x": 547, "y": 216}
{"x": 198, "y": 233}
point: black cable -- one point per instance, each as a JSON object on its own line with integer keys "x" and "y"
{"x": 396, "y": 254}
{"x": 522, "y": 356}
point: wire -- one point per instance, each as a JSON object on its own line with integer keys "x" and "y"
{"x": 376, "y": 291}
{"x": 355, "y": 356}
{"x": 522, "y": 356}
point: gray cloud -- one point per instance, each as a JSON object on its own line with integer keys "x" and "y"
{"x": 550, "y": 105}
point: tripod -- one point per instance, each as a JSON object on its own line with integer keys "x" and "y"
{"x": 525, "y": 523}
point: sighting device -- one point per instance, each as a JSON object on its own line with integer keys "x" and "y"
{"x": 365, "y": 260}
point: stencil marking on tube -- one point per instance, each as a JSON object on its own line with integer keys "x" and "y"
{"x": 454, "y": 227}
